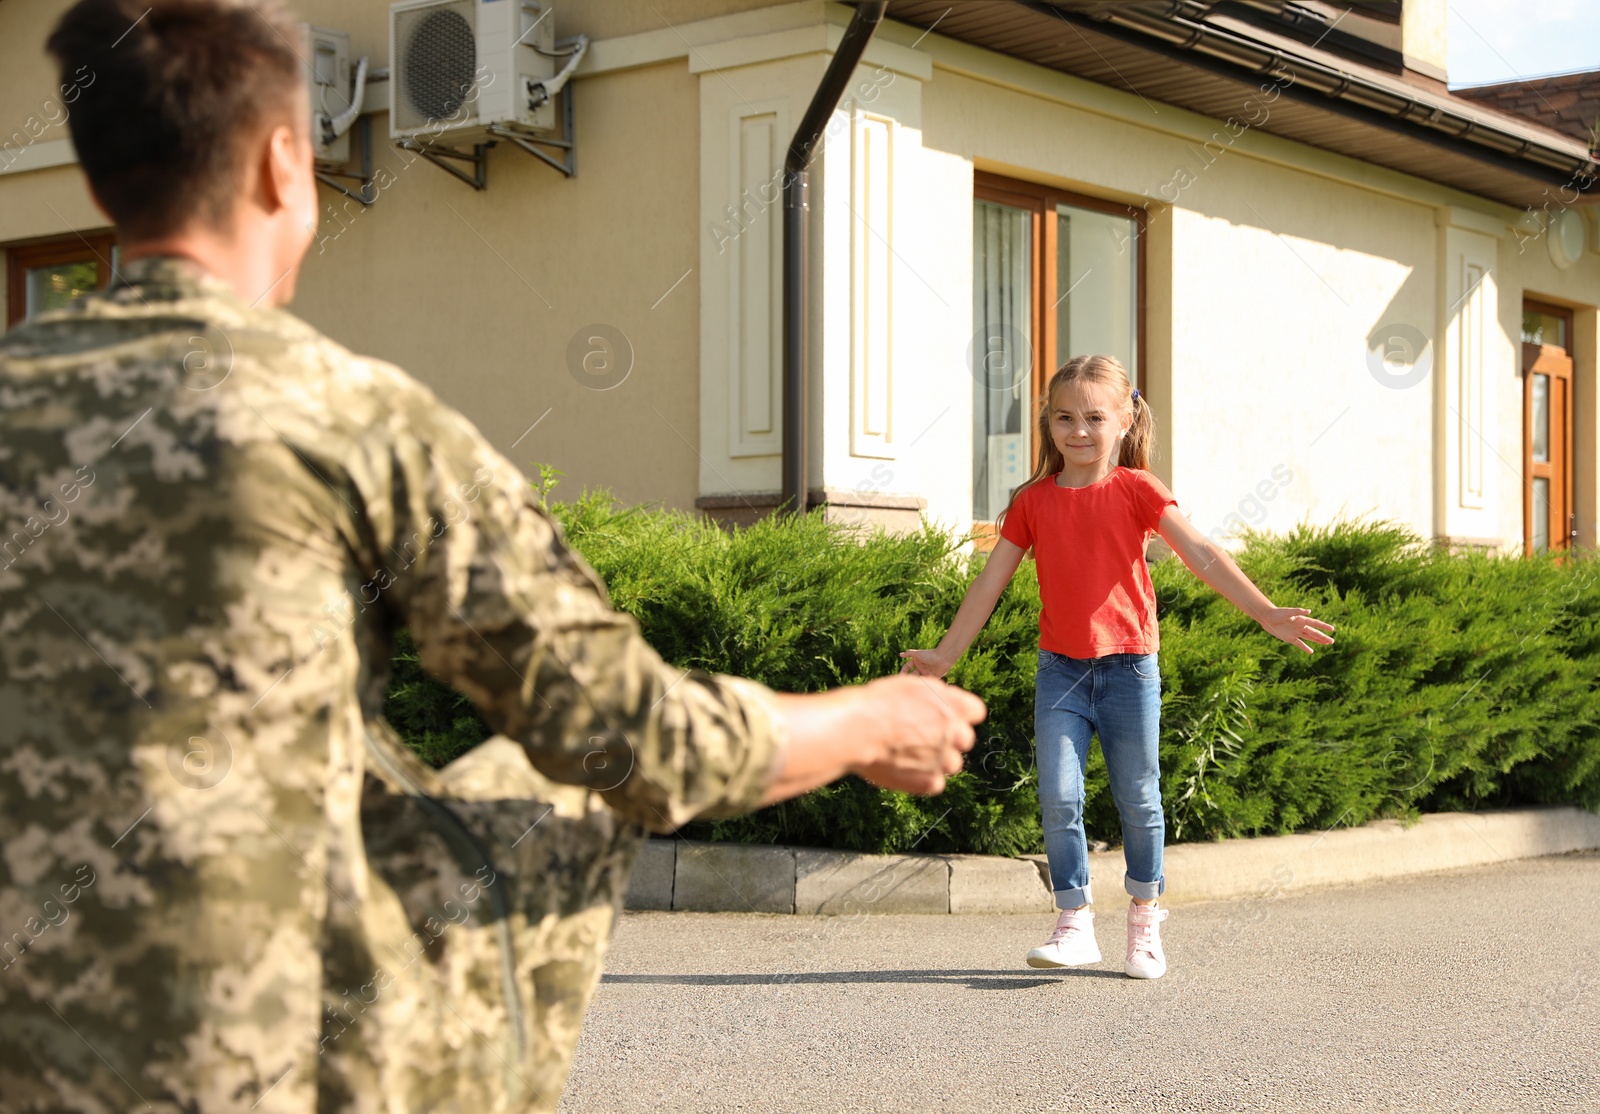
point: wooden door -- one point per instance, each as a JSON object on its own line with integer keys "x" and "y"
{"x": 1548, "y": 520}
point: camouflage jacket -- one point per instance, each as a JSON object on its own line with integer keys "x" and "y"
{"x": 224, "y": 885}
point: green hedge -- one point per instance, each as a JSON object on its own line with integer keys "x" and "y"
{"x": 1458, "y": 681}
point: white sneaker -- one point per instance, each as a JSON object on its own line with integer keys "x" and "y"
{"x": 1146, "y": 959}
{"x": 1072, "y": 944}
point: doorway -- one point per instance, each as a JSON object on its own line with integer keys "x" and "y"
{"x": 1548, "y": 519}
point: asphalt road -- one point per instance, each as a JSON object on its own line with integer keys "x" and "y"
{"x": 1473, "y": 990}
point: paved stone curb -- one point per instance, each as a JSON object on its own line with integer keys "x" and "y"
{"x": 734, "y": 877}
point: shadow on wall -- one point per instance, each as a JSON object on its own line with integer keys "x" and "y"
{"x": 1400, "y": 347}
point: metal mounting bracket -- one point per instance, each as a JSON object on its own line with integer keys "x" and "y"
{"x": 478, "y": 159}
{"x": 367, "y": 192}
{"x": 568, "y": 164}
{"x": 449, "y": 158}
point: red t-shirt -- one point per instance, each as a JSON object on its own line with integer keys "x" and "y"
{"x": 1089, "y": 545}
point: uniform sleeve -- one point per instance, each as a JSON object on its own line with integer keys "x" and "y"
{"x": 1153, "y": 498}
{"x": 502, "y": 609}
{"x": 1016, "y": 526}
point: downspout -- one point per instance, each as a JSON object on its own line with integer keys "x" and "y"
{"x": 796, "y": 270}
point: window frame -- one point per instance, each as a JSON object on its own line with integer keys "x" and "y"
{"x": 1041, "y": 201}
{"x": 88, "y": 247}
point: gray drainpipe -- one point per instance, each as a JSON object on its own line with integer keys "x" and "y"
{"x": 796, "y": 225}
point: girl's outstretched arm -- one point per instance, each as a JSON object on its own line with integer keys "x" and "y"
{"x": 975, "y": 609}
{"x": 1212, "y": 564}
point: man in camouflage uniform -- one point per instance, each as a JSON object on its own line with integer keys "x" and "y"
{"x": 224, "y": 885}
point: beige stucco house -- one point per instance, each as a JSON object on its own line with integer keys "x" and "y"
{"x": 1345, "y": 289}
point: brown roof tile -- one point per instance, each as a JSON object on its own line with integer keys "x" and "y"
{"x": 1567, "y": 103}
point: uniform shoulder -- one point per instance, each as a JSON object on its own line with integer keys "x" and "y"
{"x": 344, "y": 380}
{"x": 372, "y": 401}
{"x": 355, "y": 371}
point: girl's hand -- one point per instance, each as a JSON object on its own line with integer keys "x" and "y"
{"x": 925, "y": 663}
{"x": 1295, "y": 626}
{"x": 1211, "y": 563}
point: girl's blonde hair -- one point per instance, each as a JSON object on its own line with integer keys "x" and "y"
{"x": 1104, "y": 371}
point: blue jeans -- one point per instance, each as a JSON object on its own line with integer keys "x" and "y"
{"x": 1118, "y": 697}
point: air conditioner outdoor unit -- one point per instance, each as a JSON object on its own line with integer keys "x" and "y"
{"x": 462, "y": 71}
{"x": 336, "y": 100}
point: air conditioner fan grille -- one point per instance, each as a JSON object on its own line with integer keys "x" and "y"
{"x": 441, "y": 62}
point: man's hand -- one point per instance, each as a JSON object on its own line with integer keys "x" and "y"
{"x": 927, "y": 730}
{"x": 905, "y": 733}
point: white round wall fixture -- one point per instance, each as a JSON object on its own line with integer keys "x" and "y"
{"x": 1566, "y": 235}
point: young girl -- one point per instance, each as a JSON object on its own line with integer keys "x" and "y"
{"x": 1088, "y": 512}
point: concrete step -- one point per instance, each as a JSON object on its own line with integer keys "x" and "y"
{"x": 689, "y": 876}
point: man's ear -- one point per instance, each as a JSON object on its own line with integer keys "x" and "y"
{"x": 280, "y": 158}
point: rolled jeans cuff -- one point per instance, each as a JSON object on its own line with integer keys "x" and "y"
{"x": 1073, "y": 899}
{"x": 1144, "y": 891}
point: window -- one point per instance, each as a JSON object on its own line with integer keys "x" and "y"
{"x": 56, "y": 273}
{"x": 1054, "y": 275}
{"x": 1003, "y": 313}
{"x": 1547, "y": 505}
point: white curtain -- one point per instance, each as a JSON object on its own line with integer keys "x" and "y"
{"x": 1002, "y": 354}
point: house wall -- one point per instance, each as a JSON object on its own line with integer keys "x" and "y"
{"x": 895, "y": 371}
{"x": 1277, "y": 277}
{"x": 1264, "y": 284}
{"x": 488, "y": 296}
{"x": 889, "y": 390}
{"x": 33, "y": 115}
{"x": 1530, "y": 271}
{"x": 1316, "y": 345}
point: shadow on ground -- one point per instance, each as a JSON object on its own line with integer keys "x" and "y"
{"x": 972, "y": 980}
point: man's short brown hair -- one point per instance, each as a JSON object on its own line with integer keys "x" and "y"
{"x": 170, "y": 90}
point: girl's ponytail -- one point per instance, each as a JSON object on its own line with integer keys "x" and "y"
{"x": 1140, "y": 438}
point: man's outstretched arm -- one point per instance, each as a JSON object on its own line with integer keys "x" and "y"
{"x": 902, "y": 733}
{"x": 502, "y": 609}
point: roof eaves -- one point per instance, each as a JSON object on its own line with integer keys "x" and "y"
{"x": 1446, "y": 100}
{"x": 1460, "y": 124}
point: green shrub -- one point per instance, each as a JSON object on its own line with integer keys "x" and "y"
{"x": 435, "y": 720}
{"x": 1458, "y": 681}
